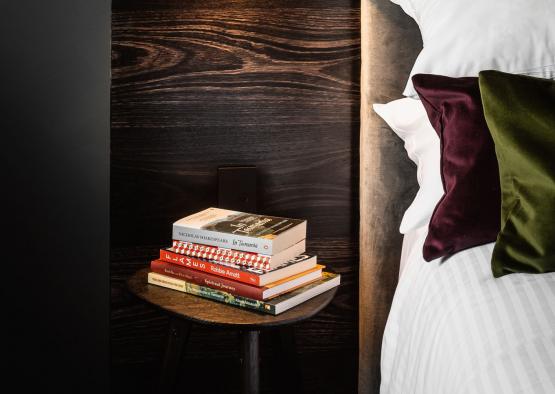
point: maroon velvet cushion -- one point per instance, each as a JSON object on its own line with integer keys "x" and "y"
{"x": 469, "y": 213}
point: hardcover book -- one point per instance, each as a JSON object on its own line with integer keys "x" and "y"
{"x": 240, "y": 231}
{"x": 225, "y": 255}
{"x": 274, "y": 306}
{"x": 237, "y": 288}
{"x": 253, "y": 276}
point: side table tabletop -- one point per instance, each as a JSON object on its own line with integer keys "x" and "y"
{"x": 186, "y": 309}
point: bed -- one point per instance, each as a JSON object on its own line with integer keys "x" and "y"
{"x": 432, "y": 327}
{"x": 452, "y": 328}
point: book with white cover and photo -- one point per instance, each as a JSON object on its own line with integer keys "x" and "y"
{"x": 240, "y": 231}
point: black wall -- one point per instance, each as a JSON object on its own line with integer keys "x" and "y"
{"x": 200, "y": 84}
{"x": 54, "y": 123}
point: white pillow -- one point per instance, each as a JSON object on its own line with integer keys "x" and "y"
{"x": 463, "y": 37}
{"x": 408, "y": 119}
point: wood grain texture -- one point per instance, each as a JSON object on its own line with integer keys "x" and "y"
{"x": 197, "y": 89}
{"x": 201, "y": 84}
{"x": 390, "y": 44}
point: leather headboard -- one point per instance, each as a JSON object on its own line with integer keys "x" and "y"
{"x": 390, "y": 43}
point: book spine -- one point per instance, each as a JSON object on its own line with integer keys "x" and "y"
{"x": 222, "y": 240}
{"x": 208, "y": 280}
{"x": 206, "y": 292}
{"x": 224, "y": 255}
{"x": 211, "y": 268}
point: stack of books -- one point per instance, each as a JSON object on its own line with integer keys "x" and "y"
{"x": 251, "y": 261}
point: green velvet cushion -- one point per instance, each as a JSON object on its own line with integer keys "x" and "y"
{"x": 520, "y": 113}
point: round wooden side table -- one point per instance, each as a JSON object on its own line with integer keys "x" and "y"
{"x": 185, "y": 309}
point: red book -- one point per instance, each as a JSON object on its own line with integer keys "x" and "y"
{"x": 238, "y": 273}
{"x": 233, "y": 287}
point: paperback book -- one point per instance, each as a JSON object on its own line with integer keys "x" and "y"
{"x": 225, "y": 255}
{"x": 240, "y": 231}
{"x": 274, "y": 306}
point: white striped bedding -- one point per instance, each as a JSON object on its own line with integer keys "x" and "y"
{"x": 454, "y": 329}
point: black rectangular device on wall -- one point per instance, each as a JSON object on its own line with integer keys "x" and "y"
{"x": 237, "y": 188}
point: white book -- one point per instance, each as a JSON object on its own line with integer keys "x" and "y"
{"x": 240, "y": 231}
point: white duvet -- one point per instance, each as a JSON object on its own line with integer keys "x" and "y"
{"x": 454, "y": 329}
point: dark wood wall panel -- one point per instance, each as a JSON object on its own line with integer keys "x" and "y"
{"x": 265, "y": 83}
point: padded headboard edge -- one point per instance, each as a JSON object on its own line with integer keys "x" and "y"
{"x": 390, "y": 42}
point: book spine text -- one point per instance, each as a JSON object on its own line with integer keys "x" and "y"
{"x": 222, "y": 240}
{"x": 211, "y": 268}
{"x": 208, "y": 280}
{"x": 206, "y": 292}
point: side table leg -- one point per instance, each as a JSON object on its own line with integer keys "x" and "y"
{"x": 286, "y": 359}
{"x": 178, "y": 334}
{"x": 251, "y": 362}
